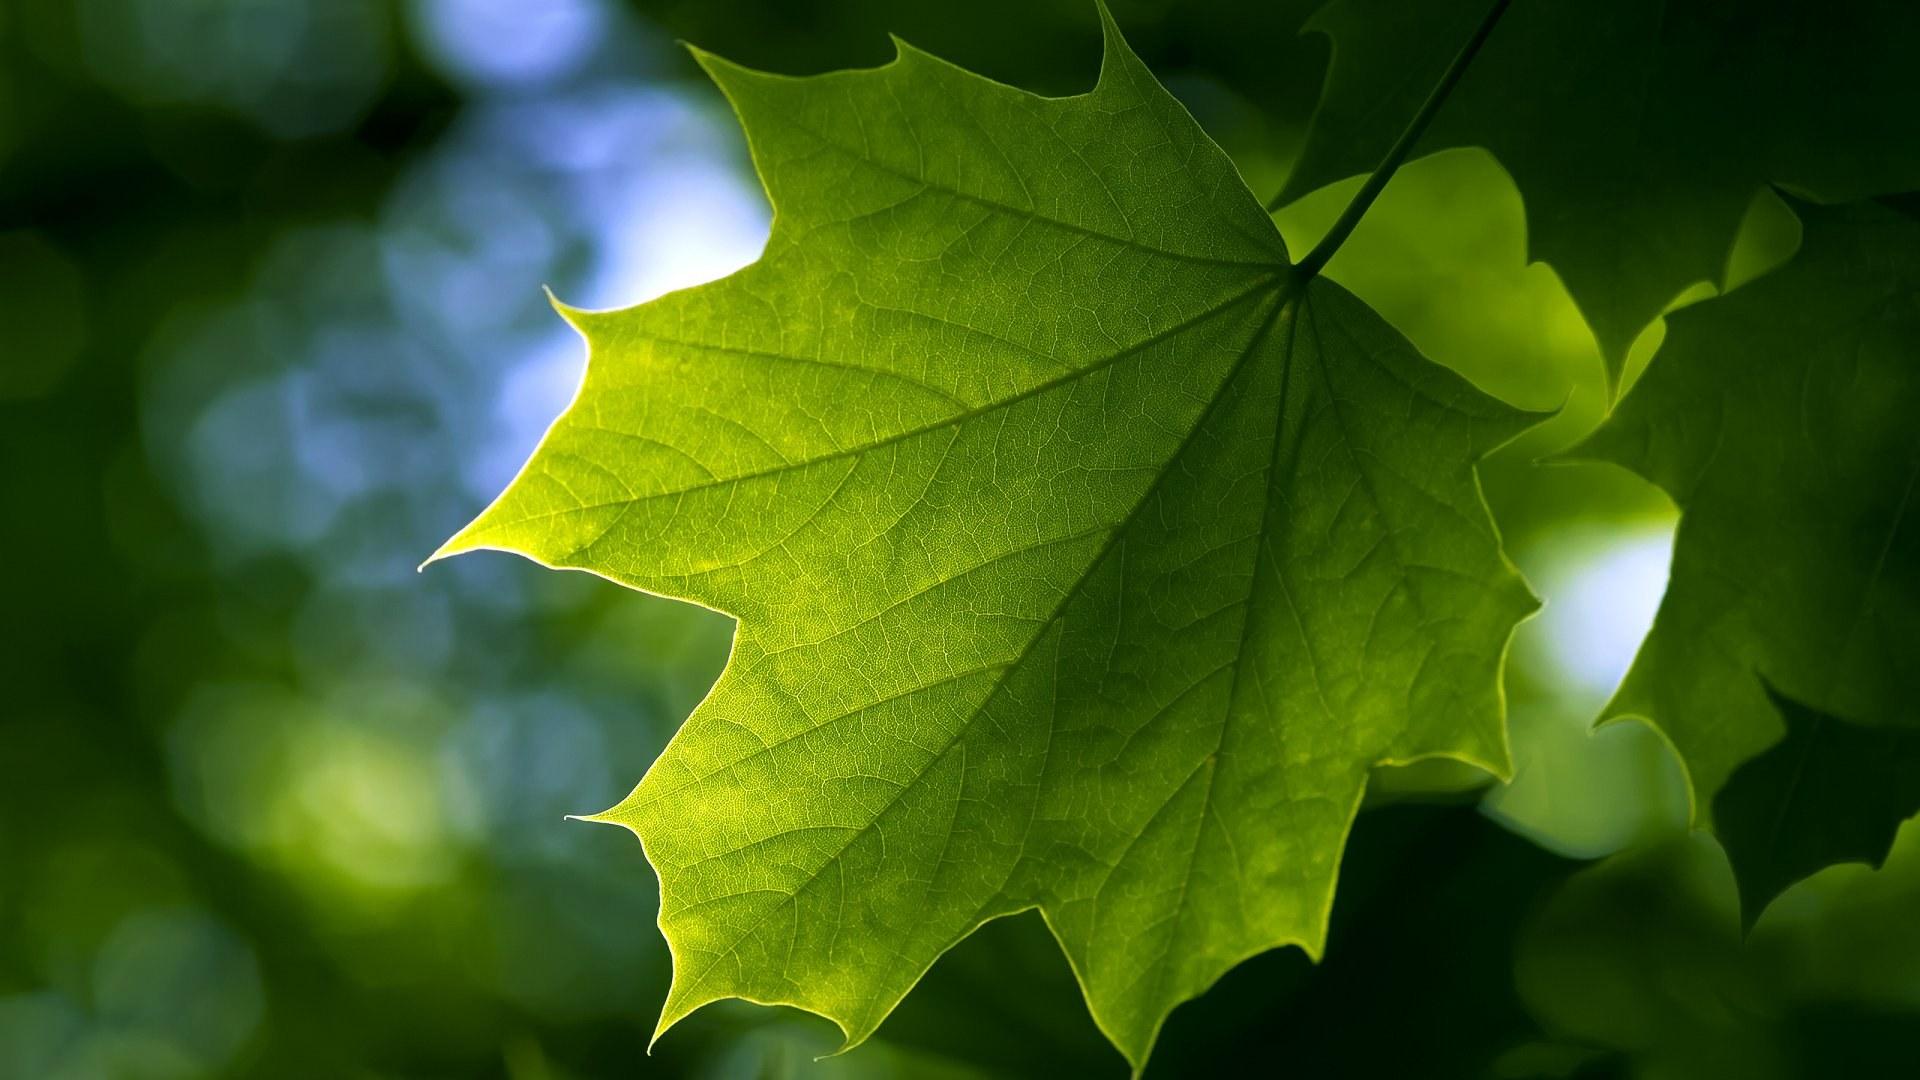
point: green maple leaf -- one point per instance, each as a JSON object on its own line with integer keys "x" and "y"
{"x": 1781, "y": 418}
{"x": 1638, "y": 131}
{"x": 1086, "y": 555}
{"x": 1830, "y": 791}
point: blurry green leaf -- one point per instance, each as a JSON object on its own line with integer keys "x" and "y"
{"x": 1637, "y": 130}
{"x": 1641, "y": 956}
{"x": 1829, "y": 792}
{"x": 1085, "y": 556}
{"x": 1781, "y": 418}
{"x": 1848, "y": 933}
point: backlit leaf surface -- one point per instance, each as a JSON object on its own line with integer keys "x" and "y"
{"x": 1085, "y": 557}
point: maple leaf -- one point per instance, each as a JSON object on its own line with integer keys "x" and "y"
{"x": 1829, "y": 791}
{"x": 1638, "y": 131}
{"x": 1086, "y": 555}
{"x": 1781, "y": 419}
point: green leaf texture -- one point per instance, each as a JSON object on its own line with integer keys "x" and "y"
{"x": 1782, "y": 420}
{"x": 1085, "y": 557}
{"x": 1638, "y": 131}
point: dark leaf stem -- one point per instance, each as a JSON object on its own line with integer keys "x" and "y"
{"x": 1357, "y": 209}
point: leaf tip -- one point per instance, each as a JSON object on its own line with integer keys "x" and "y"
{"x": 1556, "y": 412}
{"x": 1115, "y": 53}
{"x": 606, "y": 817}
{"x": 575, "y": 317}
{"x": 660, "y": 1028}
{"x": 1538, "y": 418}
{"x": 455, "y": 545}
{"x": 1588, "y": 449}
{"x": 700, "y": 56}
{"x": 726, "y": 74}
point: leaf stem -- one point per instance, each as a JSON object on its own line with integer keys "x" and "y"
{"x": 1390, "y": 164}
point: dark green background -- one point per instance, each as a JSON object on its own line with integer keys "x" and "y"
{"x": 271, "y": 803}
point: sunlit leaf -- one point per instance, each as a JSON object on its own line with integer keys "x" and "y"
{"x": 1086, "y": 557}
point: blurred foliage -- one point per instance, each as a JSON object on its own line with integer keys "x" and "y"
{"x": 1638, "y": 130}
{"x": 273, "y": 804}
